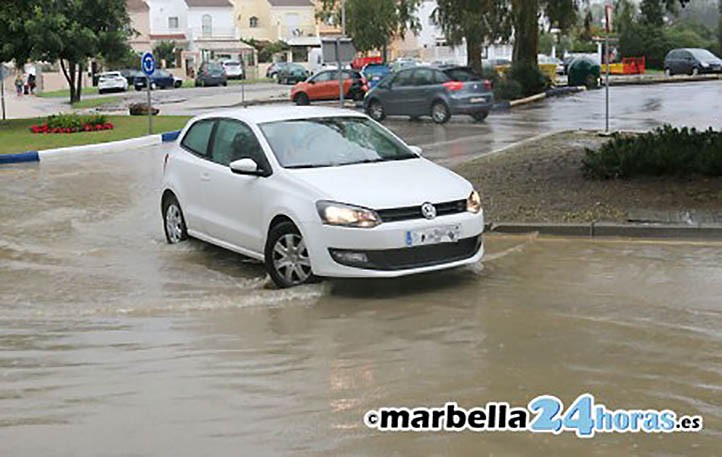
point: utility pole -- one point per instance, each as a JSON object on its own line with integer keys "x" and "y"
{"x": 608, "y": 29}
{"x": 2, "y": 87}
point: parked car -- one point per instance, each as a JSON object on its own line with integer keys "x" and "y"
{"x": 374, "y": 73}
{"x": 177, "y": 81}
{"x": 233, "y": 69}
{"x": 292, "y": 73}
{"x": 431, "y": 91}
{"x": 274, "y": 68}
{"x": 324, "y": 85}
{"x": 160, "y": 79}
{"x": 360, "y": 62}
{"x": 323, "y": 193}
{"x": 691, "y": 61}
{"x": 130, "y": 75}
{"x": 211, "y": 74}
{"x": 404, "y": 62}
{"x": 111, "y": 81}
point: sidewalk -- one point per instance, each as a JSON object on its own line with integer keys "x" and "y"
{"x": 31, "y": 106}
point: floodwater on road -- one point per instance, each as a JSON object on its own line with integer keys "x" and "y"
{"x": 114, "y": 343}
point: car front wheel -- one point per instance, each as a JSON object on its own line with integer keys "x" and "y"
{"x": 480, "y": 116}
{"x": 301, "y": 99}
{"x": 668, "y": 72}
{"x": 173, "y": 221}
{"x": 286, "y": 256}
{"x": 376, "y": 110}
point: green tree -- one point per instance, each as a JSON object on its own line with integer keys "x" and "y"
{"x": 14, "y": 44}
{"x": 372, "y": 24}
{"x": 165, "y": 50}
{"x": 474, "y": 21}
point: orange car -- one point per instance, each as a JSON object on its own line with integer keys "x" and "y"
{"x": 324, "y": 86}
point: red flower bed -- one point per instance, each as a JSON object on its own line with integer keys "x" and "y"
{"x": 43, "y": 128}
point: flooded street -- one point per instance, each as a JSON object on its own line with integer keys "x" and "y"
{"x": 114, "y": 343}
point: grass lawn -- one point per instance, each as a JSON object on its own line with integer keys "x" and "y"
{"x": 15, "y": 135}
{"x": 66, "y": 93}
{"x": 95, "y": 102}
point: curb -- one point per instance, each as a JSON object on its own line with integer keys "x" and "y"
{"x": 665, "y": 80}
{"x": 611, "y": 229}
{"x": 111, "y": 146}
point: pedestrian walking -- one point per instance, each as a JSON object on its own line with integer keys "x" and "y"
{"x": 19, "y": 85}
{"x": 31, "y": 83}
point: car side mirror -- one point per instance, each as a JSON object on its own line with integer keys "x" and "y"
{"x": 416, "y": 150}
{"x": 245, "y": 167}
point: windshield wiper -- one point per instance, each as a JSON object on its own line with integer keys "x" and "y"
{"x": 308, "y": 165}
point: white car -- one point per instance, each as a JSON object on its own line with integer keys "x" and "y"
{"x": 111, "y": 81}
{"x": 233, "y": 69}
{"x": 317, "y": 192}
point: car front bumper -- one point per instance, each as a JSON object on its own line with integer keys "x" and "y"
{"x": 386, "y": 249}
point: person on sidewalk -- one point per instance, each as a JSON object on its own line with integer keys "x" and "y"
{"x": 19, "y": 85}
{"x": 31, "y": 83}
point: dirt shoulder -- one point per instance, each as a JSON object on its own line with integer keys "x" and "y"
{"x": 541, "y": 181}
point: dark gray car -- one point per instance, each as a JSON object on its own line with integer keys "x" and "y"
{"x": 691, "y": 61}
{"x": 211, "y": 74}
{"x": 439, "y": 92}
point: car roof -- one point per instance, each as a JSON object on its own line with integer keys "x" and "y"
{"x": 263, "y": 114}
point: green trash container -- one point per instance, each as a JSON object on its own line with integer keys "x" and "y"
{"x": 584, "y": 71}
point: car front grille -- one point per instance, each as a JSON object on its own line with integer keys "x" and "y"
{"x": 414, "y": 212}
{"x": 412, "y": 257}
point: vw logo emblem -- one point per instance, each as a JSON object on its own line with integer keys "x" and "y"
{"x": 428, "y": 210}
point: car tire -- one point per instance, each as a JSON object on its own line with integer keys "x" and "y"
{"x": 668, "y": 72}
{"x": 480, "y": 116}
{"x": 174, "y": 223}
{"x": 177, "y": 84}
{"x": 375, "y": 110}
{"x": 440, "y": 112}
{"x": 695, "y": 71}
{"x": 224, "y": 83}
{"x": 286, "y": 256}
{"x": 301, "y": 99}
{"x": 101, "y": 91}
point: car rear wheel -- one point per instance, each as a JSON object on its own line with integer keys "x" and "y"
{"x": 376, "y": 111}
{"x": 286, "y": 256}
{"x": 440, "y": 112}
{"x": 224, "y": 83}
{"x": 480, "y": 116}
{"x": 301, "y": 99}
{"x": 173, "y": 221}
{"x": 695, "y": 71}
{"x": 153, "y": 86}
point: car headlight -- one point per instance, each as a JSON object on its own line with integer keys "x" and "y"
{"x": 473, "y": 203}
{"x": 333, "y": 213}
{"x": 705, "y": 64}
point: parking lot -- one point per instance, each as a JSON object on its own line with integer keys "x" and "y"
{"x": 113, "y": 342}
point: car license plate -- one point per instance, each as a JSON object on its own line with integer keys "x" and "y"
{"x": 478, "y": 100}
{"x": 433, "y": 235}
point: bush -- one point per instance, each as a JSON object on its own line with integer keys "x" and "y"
{"x": 530, "y": 79}
{"x": 76, "y": 121}
{"x": 507, "y": 89}
{"x": 664, "y": 151}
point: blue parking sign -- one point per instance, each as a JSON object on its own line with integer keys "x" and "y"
{"x": 147, "y": 63}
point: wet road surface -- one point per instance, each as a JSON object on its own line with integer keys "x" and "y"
{"x": 631, "y": 107}
{"x": 114, "y": 343}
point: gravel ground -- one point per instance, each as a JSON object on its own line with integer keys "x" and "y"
{"x": 541, "y": 181}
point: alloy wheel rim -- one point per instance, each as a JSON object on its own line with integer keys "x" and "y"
{"x": 174, "y": 223}
{"x": 376, "y": 110}
{"x": 439, "y": 112}
{"x": 290, "y": 258}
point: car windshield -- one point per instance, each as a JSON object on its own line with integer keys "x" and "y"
{"x": 703, "y": 54}
{"x": 330, "y": 142}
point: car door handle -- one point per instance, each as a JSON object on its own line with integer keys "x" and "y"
{"x": 205, "y": 177}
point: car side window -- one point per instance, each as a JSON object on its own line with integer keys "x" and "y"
{"x": 323, "y": 76}
{"x": 234, "y": 140}
{"x": 440, "y": 77}
{"x": 403, "y": 79}
{"x": 198, "y": 136}
{"x": 423, "y": 77}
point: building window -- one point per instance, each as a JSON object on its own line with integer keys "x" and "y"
{"x": 253, "y": 22}
{"x": 173, "y": 22}
{"x": 207, "y": 25}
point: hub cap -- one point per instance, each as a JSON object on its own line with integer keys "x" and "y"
{"x": 376, "y": 110}
{"x": 174, "y": 223}
{"x": 439, "y": 112}
{"x": 290, "y": 258}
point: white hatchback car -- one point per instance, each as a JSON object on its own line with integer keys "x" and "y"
{"x": 111, "y": 81}
{"x": 317, "y": 192}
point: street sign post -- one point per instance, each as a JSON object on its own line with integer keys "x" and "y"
{"x": 147, "y": 64}
{"x": 341, "y": 50}
{"x": 3, "y": 74}
{"x": 608, "y": 12}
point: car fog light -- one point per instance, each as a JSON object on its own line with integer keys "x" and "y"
{"x": 349, "y": 257}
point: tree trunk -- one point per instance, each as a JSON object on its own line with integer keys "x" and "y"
{"x": 526, "y": 32}
{"x": 69, "y": 73}
{"x": 79, "y": 82}
{"x": 473, "y": 53}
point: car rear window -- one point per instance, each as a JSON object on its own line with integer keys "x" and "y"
{"x": 462, "y": 74}
{"x": 197, "y": 138}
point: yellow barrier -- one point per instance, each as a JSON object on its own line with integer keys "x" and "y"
{"x": 549, "y": 70}
{"x": 614, "y": 69}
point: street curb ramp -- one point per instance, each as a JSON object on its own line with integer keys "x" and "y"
{"x": 111, "y": 146}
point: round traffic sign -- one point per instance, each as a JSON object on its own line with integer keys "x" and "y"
{"x": 147, "y": 63}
